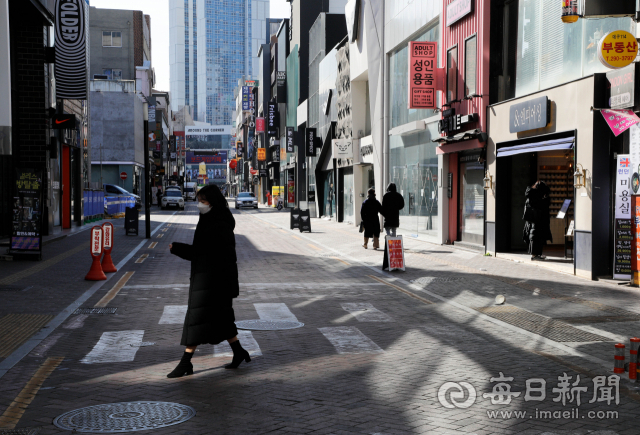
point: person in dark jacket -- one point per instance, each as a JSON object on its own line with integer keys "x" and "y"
{"x": 369, "y": 214}
{"x": 537, "y": 228}
{"x": 392, "y": 203}
{"x": 159, "y": 197}
{"x": 214, "y": 281}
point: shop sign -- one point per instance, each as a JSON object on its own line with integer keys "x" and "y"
{"x": 281, "y": 78}
{"x": 63, "y": 122}
{"x": 262, "y": 169}
{"x": 393, "y": 254}
{"x": 634, "y": 150}
{"x": 622, "y": 83}
{"x": 617, "y": 49}
{"x": 262, "y": 154}
{"x": 366, "y": 150}
{"x": 529, "y": 115}
{"x": 239, "y": 149}
{"x": 71, "y": 49}
{"x": 27, "y": 211}
{"x": 623, "y": 237}
{"x": 458, "y": 9}
{"x": 290, "y": 139}
{"x": 310, "y": 142}
{"x": 273, "y": 120}
{"x": 423, "y": 71}
{"x": 619, "y": 120}
{"x": 152, "y": 116}
{"x": 247, "y": 98}
{"x": 342, "y": 148}
{"x": 260, "y": 124}
{"x": 450, "y": 185}
{"x": 275, "y": 155}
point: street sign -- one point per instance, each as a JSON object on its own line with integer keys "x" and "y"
{"x": 253, "y": 171}
{"x": 123, "y": 175}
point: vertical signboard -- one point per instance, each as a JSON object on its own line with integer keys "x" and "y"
{"x": 622, "y": 236}
{"x": 422, "y": 74}
{"x": 290, "y": 139}
{"x": 27, "y": 211}
{"x": 273, "y": 120}
{"x": 310, "y": 142}
{"x": 634, "y": 172}
{"x": 71, "y": 49}
{"x": 260, "y": 124}
{"x": 247, "y": 97}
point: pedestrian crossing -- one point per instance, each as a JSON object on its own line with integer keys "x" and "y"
{"x": 365, "y": 312}
{"x": 274, "y": 311}
{"x": 349, "y": 340}
{"x": 120, "y": 346}
{"x": 173, "y": 315}
{"x": 247, "y": 340}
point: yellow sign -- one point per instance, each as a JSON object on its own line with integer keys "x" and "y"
{"x": 202, "y": 169}
{"x": 262, "y": 154}
{"x": 617, "y": 49}
{"x": 278, "y": 193}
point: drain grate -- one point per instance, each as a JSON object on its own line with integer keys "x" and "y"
{"x": 549, "y": 328}
{"x": 124, "y": 417}
{"x": 268, "y": 325}
{"x": 23, "y": 431}
{"x": 597, "y": 319}
{"x": 95, "y": 311}
{"x": 426, "y": 280}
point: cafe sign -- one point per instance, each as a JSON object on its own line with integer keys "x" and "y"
{"x": 458, "y": 9}
{"x": 617, "y": 49}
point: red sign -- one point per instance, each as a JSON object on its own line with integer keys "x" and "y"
{"x": 123, "y": 175}
{"x": 291, "y": 191}
{"x": 395, "y": 253}
{"x": 457, "y": 9}
{"x": 253, "y": 171}
{"x": 423, "y": 74}
{"x": 96, "y": 241}
{"x": 233, "y": 164}
{"x": 107, "y": 228}
{"x": 260, "y": 125}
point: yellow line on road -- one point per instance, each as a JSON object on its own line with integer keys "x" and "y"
{"x": 42, "y": 266}
{"x": 296, "y": 237}
{"x": 341, "y": 260}
{"x": 314, "y": 247}
{"x": 153, "y": 245}
{"x": 142, "y": 258}
{"x": 160, "y": 235}
{"x": 284, "y": 231}
{"x": 400, "y": 289}
{"x": 114, "y": 291}
{"x": 169, "y": 225}
{"x": 164, "y": 230}
{"x": 14, "y": 412}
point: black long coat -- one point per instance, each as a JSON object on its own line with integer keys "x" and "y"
{"x": 369, "y": 214}
{"x": 214, "y": 279}
{"x": 392, "y": 203}
{"x": 537, "y": 231}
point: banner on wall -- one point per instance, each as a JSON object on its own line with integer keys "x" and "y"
{"x": 71, "y": 49}
{"x": 623, "y": 237}
{"x": 424, "y": 75}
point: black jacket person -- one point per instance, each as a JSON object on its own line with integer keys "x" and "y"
{"x": 392, "y": 203}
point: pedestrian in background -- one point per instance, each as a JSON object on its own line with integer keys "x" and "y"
{"x": 214, "y": 284}
{"x": 537, "y": 226}
{"x": 159, "y": 196}
{"x": 371, "y": 222}
{"x": 392, "y": 203}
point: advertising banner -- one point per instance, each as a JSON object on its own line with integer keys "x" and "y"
{"x": 291, "y": 190}
{"x": 247, "y": 98}
{"x": 310, "y": 142}
{"x": 27, "y": 211}
{"x": 423, "y": 64}
{"x": 619, "y": 121}
{"x": 220, "y": 159}
{"x": 260, "y": 125}
{"x": 393, "y": 254}
{"x": 622, "y": 236}
{"x": 273, "y": 120}
{"x": 71, "y": 49}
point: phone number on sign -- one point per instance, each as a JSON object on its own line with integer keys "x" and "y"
{"x": 618, "y": 58}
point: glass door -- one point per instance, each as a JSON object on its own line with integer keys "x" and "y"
{"x": 348, "y": 193}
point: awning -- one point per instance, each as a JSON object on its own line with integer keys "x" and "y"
{"x": 535, "y": 147}
{"x": 460, "y": 137}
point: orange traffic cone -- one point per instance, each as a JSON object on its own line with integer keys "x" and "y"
{"x": 95, "y": 273}
{"x": 107, "y": 263}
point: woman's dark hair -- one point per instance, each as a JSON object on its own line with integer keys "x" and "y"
{"x": 211, "y": 193}
{"x": 371, "y": 192}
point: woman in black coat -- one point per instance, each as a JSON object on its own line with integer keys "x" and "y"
{"x": 214, "y": 281}
{"x": 537, "y": 228}
{"x": 370, "y": 220}
{"x": 392, "y": 203}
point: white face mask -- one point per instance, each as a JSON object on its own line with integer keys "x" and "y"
{"x": 203, "y": 208}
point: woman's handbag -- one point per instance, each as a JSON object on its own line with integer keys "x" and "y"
{"x": 361, "y": 227}
{"x": 529, "y": 213}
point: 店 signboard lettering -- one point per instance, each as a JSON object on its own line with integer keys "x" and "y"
{"x": 529, "y": 115}
{"x": 310, "y": 142}
{"x": 458, "y": 9}
{"x": 622, "y": 83}
{"x": 71, "y": 49}
{"x": 422, "y": 75}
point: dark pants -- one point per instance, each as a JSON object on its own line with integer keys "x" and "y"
{"x": 536, "y": 245}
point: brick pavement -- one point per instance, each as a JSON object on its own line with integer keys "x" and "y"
{"x": 322, "y": 378}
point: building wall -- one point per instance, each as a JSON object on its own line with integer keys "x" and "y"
{"x": 404, "y": 18}
{"x": 112, "y": 57}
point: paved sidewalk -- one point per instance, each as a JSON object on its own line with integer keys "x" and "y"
{"x": 374, "y": 353}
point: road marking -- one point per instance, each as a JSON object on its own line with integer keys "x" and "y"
{"x": 164, "y": 230}
{"x": 400, "y": 289}
{"x": 365, "y": 312}
{"x": 248, "y": 343}
{"x": 15, "y": 329}
{"x": 349, "y": 340}
{"x": 284, "y": 231}
{"x": 142, "y": 258}
{"x": 275, "y": 311}
{"x": 47, "y": 344}
{"x": 341, "y": 260}
{"x": 114, "y": 291}
{"x": 173, "y": 315}
{"x": 42, "y": 266}
{"x": 160, "y": 236}
{"x": 14, "y": 412}
{"x": 153, "y": 245}
{"x": 169, "y": 225}
{"x": 156, "y": 286}
{"x": 277, "y": 285}
{"x": 115, "y": 347}
{"x": 296, "y": 237}
{"x": 76, "y": 323}
{"x": 314, "y": 247}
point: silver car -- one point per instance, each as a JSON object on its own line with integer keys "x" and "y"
{"x": 246, "y": 199}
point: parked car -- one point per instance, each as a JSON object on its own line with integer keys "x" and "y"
{"x": 172, "y": 198}
{"x": 114, "y": 190}
{"x": 246, "y": 199}
{"x": 175, "y": 188}
{"x": 190, "y": 190}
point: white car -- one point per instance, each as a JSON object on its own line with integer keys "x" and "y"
{"x": 172, "y": 198}
{"x": 246, "y": 199}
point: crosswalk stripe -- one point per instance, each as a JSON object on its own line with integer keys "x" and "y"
{"x": 365, "y": 312}
{"x": 173, "y": 315}
{"x": 153, "y": 245}
{"x": 120, "y": 346}
{"x": 246, "y": 340}
{"x": 160, "y": 235}
{"x": 275, "y": 311}
{"x": 349, "y": 340}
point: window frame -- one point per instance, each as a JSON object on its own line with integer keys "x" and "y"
{"x": 111, "y": 38}
{"x": 449, "y": 50}
{"x": 466, "y": 40}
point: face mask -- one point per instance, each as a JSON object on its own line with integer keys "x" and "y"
{"x": 203, "y": 208}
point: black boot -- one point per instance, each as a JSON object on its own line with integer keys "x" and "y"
{"x": 184, "y": 367}
{"x": 239, "y": 354}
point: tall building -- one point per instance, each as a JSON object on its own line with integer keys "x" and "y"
{"x": 212, "y": 45}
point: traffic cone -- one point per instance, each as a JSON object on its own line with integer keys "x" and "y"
{"x": 107, "y": 263}
{"x": 95, "y": 273}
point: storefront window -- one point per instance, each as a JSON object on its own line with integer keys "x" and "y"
{"x": 452, "y": 74}
{"x": 551, "y": 52}
{"x": 399, "y": 82}
{"x": 413, "y": 167}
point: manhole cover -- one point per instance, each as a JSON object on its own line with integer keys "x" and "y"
{"x": 95, "y": 311}
{"x": 124, "y": 417}
{"x": 268, "y": 325}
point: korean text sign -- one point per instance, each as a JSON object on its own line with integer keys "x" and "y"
{"x": 623, "y": 237}
{"x": 395, "y": 253}
{"x": 27, "y": 211}
{"x": 422, "y": 74}
{"x": 617, "y": 49}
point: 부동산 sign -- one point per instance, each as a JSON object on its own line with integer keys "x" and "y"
{"x": 617, "y": 49}
{"x": 529, "y": 115}
{"x": 422, "y": 74}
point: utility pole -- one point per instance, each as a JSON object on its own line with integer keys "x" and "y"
{"x": 147, "y": 170}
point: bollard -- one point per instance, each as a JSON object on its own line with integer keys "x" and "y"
{"x": 96, "y": 273}
{"x": 633, "y": 357}
{"x": 618, "y": 366}
{"x": 107, "y": 262}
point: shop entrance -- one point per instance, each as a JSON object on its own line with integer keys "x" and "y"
{"x": 66, "y": 186}
{"x": 346, "y": 190}
{"x": 471, "y": 199}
